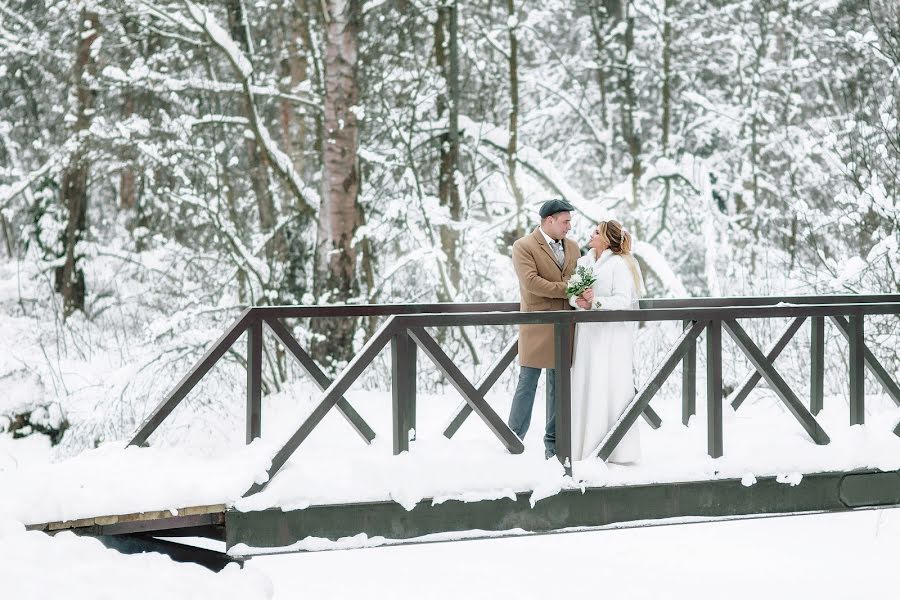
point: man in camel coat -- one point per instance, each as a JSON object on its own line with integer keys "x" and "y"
{"x": 544, "y": 260}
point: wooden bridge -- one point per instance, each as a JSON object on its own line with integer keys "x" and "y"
{"x": 403, "y": 327}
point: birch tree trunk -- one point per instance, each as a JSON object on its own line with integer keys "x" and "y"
{"x": 339, "y": 211}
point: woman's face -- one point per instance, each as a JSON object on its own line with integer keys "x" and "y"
{"x": 598, "y": 242}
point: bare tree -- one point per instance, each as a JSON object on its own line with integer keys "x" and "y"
{"x": 511, "y": 149}
{"x": 259, "y": 172}
{"x": 70, "y": 276}
{"x": 447, "y": 58}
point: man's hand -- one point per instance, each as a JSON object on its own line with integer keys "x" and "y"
{"x": 588, "y": 295}
{"x": 582, "y": 303}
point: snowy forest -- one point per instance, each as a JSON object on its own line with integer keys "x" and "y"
{"x": 165, "y": 164}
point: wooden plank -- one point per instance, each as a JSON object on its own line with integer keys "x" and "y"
{"x": 150, "y": 515}
{"x": 57, "y": 525}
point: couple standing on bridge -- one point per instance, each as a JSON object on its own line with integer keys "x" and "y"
{"x": 602, "y": 364}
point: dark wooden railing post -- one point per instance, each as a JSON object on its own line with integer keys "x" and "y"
{"x": 411, "y": 391}
{"x": 857, "y": 371}
{"x": 714, "y": 388}
{"x": 564, "y": 338}
{"x": 817, "y": 365}
{"x": 403, "y": 383}
{"x": 254, "y": 380}
{"x": 689, "y": 380}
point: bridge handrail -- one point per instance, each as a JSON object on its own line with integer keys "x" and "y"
{"x": 405, "y": 330}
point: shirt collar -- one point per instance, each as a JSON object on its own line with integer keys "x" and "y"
{"x": 547, "y": 238}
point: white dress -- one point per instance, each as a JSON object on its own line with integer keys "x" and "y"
{"x": 602, "y": 367}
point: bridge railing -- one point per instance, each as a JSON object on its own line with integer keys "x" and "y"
{"x": 404, "y": 329}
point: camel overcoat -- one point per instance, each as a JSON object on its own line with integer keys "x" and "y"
{"x": 542, "y": 285}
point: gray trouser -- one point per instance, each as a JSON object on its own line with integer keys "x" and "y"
{"x": 523, "y": 401}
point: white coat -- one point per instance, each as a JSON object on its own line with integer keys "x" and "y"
{"x": 603, "y": 361}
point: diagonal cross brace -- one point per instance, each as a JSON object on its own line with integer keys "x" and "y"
{"x": 312, "y": 369}
{"x": 330, "y": 398}
{"x": 487, "y": 382}
{"x": 472, "y": 396}
{"x": 642, "y": 399}
{"x": 890, "y": 386}
{"x": 753, "y": 378}
{"x": 192, "y": 377}
{"x": 787, "y": 396}
{"x": 493, "y": 374}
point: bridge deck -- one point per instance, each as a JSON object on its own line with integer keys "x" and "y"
{"x": 336, "y": 486}
{"x": 207, "y": 521}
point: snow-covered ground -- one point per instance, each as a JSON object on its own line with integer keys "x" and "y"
{"x": 829, "y": 556}
{"x": 334, "y": 465}
{"x": 34, "y": 565}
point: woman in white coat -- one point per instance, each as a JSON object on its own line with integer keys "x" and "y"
{"x": 602, "y": 367}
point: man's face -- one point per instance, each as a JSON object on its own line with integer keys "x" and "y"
{"x": 558, "y": 225}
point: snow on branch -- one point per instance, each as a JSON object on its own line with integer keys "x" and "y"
{"x": 601, "y": 136}
{"x": 530, "y": 158}
{"x": 141, "y": 74}
{"x": 280, "y": 161}
{"x": 545, "y": 170}
{"x": 8, "y": 192}
{"x": 661, "y": 268}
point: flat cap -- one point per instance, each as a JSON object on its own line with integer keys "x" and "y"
{"x": 551, "y": 207}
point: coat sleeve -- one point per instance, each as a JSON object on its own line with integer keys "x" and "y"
{"x": 622, "y": 289}
{"x": 526, "y": 270}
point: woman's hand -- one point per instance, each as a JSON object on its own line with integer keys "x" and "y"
{"x": 588, "y": 295}
{"x": 582, "y": 303}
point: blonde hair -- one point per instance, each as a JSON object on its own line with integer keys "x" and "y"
{"x": 620, "y": 242}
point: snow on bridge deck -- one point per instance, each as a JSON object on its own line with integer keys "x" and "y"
{"x": 334, "y": 467}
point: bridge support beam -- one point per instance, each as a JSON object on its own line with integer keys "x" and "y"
{"x": 183, "y": 553}
{"x": 591, "y": 507}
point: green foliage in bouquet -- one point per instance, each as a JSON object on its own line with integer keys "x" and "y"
{"x": 582, "y": 279}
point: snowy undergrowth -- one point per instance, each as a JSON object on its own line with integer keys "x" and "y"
{"x": 148, "y": 317}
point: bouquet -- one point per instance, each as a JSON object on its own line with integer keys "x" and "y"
{"x": 581, "y": 280}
